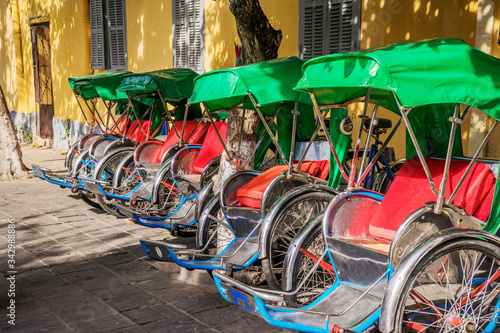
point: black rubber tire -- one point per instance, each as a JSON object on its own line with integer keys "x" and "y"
{"x": 90, "y": 199}
{"x": 446, "y": 264}
{"x": 277, "y": 245}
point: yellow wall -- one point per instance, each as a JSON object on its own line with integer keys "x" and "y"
{"x": 149, "y": 35}
{"x": 7, "y": 56}
{"x": 389, "y": 21}
{"x": 221, "y": 34}
{"x": 70, "y": 50}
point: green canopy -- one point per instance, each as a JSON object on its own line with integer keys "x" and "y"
{"x": 427, "y": 72}
{"x": 269, "y": 81}
{"x": 439, "y": 72}
{"x": 98, "y": 85}
{"x": 174, "y": 83}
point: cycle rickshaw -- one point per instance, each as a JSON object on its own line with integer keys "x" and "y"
{"x": 105, "y": 127}
{"x": 425, "y": 257}
{"x": 128, "y": 174}
{"x": 234, "y": 219}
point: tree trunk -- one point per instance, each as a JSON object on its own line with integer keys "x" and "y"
{"x": 12, "y": 165}
{"x": 259, "y": 40}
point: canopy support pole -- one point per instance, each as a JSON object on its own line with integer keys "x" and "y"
{"x": 261, "y": 138}
{"x": 442, "y": 187}
{"x": 242, "y": 123}
{"x": 368, "y": 137}
{"x": 164, "y": 103}
{"x": 101, "y": 124}
{"x": 186, "y": 108}
{"x": 81, "y": 109}
{"x": 295, "y": 113}
{"x": 379, "y": 152}
{"x": 358, "y": 140}
{"x": 205, "y": 108}
{"x": 404, "y": 115}
{"x": 327, "y": 134}
{"x": 261, "y": 116}
{"x": 135, "y": 114}
{"x": 474, "y": 159}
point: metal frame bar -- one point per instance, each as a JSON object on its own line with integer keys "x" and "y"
{"x": 327, "y": 133}
{"x": 404, "y": 114}
{"x": 261, "y": 138}
{"x": 309, "y": 144}
{"x": 442, "y": 187}
{"x": 368, "y": 137}
{"x": 261, "y": 116}
{"x": 295, "y": 113}
{"x": 379, "y": 152}
{"x": 164, "y": 103}
{"x": 241, "y": 127}
{"x": 358, "y": 140}
{"x": 474, "y": 159}
{"x": 205, "y": 109}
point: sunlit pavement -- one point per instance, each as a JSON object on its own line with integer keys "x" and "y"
{"x": 78, "y": 269}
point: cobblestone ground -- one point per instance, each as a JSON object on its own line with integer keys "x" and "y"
{"x": 81, "y": 270}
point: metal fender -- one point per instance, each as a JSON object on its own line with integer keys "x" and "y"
{"x": 203, "y": 198}
{"x": 82, "y": 158}
{"x": 294, "y": 249}
{"x": 164, "y": 168}
{"x": 69, "y": 155}
{"x": 110, "y": 155}
{"x": 125, "y": 161}
{"x": 204, "y": 219}
{"x": 276, "y": 208}
{"x": 391, "y": 300}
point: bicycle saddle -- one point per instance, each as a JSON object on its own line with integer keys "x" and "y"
{"x": 381, "y": 123}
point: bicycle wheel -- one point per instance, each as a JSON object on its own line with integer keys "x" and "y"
{"x": 320, "y": 280}
{"x": 453, "y": 289}
{"x": 215, "y": 234}
{"x": 106, "y": 172}
{"x": 287, "y": 223}
{"x": 84, "y": 167}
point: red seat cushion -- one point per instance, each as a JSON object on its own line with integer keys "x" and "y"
{"x": 138, "y": 130}
{"x": 211, "y": 148}
{"x": 411, "y": 190}
{"x": 250, "y": 194}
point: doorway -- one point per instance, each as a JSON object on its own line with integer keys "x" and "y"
{"x": 40, "y": 46}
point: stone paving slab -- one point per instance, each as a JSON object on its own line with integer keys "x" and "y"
{"x": 81, "y": 270}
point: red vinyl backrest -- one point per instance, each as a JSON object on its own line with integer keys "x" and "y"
{"x": 211, "y": 148}
{"x": 410, "y": 190}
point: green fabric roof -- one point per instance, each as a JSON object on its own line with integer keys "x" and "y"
{"x": 427, "y": 72}
{"x": 269, "y": 81}
{"x": 99, "y": 85}
{"x": 173, "y": 83}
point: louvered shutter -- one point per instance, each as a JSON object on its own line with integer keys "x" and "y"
{"x": 180, "y": 45}
{"x": 188, "y": 25}
{"x": 312, "y": 28}
{"x": 97, "y": 59}
{"x": 195, "y": 24}
{"x": 117, "y": 34}
{"x": 343, "y": 32}
{"x": 328, "y": 26}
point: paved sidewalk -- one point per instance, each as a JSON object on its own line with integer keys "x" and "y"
{"x": 81, "y": 270}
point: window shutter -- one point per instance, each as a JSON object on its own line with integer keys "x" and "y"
{"x": 195, "y": 47}
{"x": 180, "y": 44}
{"x": 96, "y": 35}
{"x": 343, "y": 34}
{"x": 313, "y": 29}
{"x": 117, "y": 34}
{"x": 328, "y": 26}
